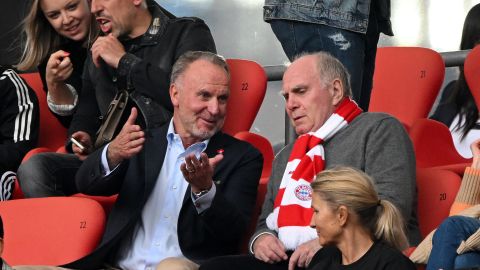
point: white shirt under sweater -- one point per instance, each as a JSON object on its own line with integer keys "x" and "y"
{"x": 155, "y": 236}
{"x": 463, "y": 146}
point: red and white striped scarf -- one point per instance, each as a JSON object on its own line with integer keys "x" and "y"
{"x": 292, "y": 207}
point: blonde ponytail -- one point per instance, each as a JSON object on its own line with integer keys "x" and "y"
{"x": 354, "y": 189}
{"x": 390, "y": 226}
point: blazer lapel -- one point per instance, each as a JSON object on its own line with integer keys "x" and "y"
{"x": 155, "y": 150}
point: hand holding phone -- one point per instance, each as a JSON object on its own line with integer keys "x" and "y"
{"x": 77, "y": 143}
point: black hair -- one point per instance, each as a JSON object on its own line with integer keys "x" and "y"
{"x": 461, "y": 95}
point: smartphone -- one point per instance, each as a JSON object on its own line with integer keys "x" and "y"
{"x": 77, "y": 143}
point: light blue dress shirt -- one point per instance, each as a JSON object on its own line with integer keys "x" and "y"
{"x": 155, "y": 236}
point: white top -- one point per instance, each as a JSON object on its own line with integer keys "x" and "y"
{"x": 463, "y": 146}
{"x": 63, "y": 109}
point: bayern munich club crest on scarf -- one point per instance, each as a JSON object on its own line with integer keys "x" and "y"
{"x": 292, "y": 210}
{"x": 303, "y": 192}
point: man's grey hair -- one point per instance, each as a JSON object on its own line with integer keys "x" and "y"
{"x": 330, "y": 68}
{"x": 184, "y": 61}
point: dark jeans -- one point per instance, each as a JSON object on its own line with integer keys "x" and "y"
{"x": 243, "y": 262}
{"x": 356, "y": 51}
{"x": 49, "y": 174}
{"x": 447, "y": 239}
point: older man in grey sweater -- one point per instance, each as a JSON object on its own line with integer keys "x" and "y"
{"x": 314, "y": 87}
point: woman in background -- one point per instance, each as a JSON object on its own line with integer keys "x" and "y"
{"x": 58, "y": 34}
{"x": 356, "y": 229}
{"x": 457, "y": 107}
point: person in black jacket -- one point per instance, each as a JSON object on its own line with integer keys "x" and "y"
{"x": 19, "y": 123}
{"x": 141, "y": 42}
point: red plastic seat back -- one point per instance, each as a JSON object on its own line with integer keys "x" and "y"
{"x": 471, "y": 69}
{"x": 248, "y": 84}
{"x": 433, "y": 144}
{"x": 436, "y": 192}
{"x": 52, "y": 134}
{"x": 107, "y": 202}
{"x": 50, "y": 231}
{"x": 406, "y": 82}
{"x": 265, "y": 147}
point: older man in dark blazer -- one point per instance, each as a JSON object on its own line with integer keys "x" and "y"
{"x": 186, "y": 190}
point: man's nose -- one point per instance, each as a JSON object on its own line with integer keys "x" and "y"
{"x": 213, "y": 106}
{"x": 94, "y": 6}
{"x": 312, "y": 221}
{"x": 290, "y": 103}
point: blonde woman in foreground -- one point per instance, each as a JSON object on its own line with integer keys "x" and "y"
{"x": 356, "y": 229}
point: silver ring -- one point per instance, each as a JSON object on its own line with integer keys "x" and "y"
{"x": 192, "y": 170}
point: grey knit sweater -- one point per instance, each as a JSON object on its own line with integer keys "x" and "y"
{"x": 377, "y": 144}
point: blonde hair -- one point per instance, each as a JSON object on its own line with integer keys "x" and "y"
{"x": 354, "y": 189}
{"x": 41, "y": 39}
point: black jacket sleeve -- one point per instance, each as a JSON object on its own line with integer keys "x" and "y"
{"x": 19, "y": 120}
{"x": 91, "y": 178}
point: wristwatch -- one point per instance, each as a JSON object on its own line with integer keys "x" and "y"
{"x": 199, "y": 194}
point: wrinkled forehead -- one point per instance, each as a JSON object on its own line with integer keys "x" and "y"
{"x": 300, "y": 74}
{"x": 203, "y": 74}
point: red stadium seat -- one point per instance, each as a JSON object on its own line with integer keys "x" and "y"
{"x": 248, "y": 84}
{"x": 406, "y": 82}
{"x": 50, "y": 231}
{"x": 437, "y": 190}
{"x": 471, "y": 68}
{"x": 433, "y": 144}
{"x": 458, "y": 168}
{"x": 106, "y": 202}
{"x": 264, "y": 146}
{"x": 52, "y": 134}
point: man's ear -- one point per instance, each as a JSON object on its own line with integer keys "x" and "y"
{"x": 342, "y": 215}
{"x": 338, "y": 92}
{"x": 174, "y": 94}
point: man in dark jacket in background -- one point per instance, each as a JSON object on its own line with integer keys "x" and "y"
{"x": 140, "y": 44}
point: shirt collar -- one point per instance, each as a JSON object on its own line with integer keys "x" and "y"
{"x": 172, "y": 135}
